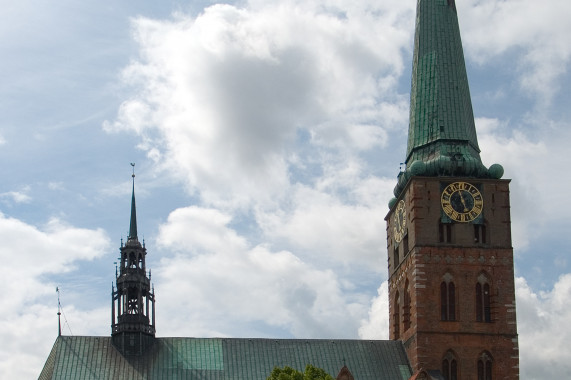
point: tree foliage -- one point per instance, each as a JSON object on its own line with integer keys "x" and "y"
{"x": 310, "y": 373}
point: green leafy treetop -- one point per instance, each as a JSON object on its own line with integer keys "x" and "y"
{"x": 288, "y": 373}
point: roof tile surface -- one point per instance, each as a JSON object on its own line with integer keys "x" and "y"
{"x": 223, "y": 358}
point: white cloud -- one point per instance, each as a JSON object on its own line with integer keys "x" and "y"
{"x": 534, "y": 33}
{"x": 17, "y": 196}
{"x": 543, "y": 327}
{"x": 377, "y": 324}
{"x": 223, "y": 285}
{"x": 52, "y": 249}
{"x": 327, "y": 230}
{"x": 221, "y": 97}
{"x": 56, "y": 186}
{"x": 29, "y": 335}
{"x": 28, "y": 255}
{"x": 536, "y": 160}
{"x": 251, "y": 113}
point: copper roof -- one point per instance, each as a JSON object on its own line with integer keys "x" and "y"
{"x": 89, "y": 357}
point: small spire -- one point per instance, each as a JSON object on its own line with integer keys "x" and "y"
{"x": 133, "y": 225}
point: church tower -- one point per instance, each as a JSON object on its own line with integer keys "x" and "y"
{"x": 133, "y": 303}
{"x": 450, "y": 256}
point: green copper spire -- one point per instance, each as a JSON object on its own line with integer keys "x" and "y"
{"x": 133, "y": 225}
{"x": 442, "y": 137}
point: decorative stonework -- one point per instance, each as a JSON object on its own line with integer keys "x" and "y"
{"x": 447, "y": 277}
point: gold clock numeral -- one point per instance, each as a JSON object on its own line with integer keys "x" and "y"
{"x": 448, "y": 208}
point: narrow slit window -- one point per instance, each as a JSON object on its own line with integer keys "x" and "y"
{"x": 396, "y": 316}
{"x": 406, "y": 307}
{"x": 483, "y": 305}
{"x": 445, "y": 233}
{"x": 480, "y": 233}
{"x": 447, "y": 301}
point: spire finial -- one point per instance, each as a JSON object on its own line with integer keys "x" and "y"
{"x": 133, "y": 224}
{"x": 58, "y": 313}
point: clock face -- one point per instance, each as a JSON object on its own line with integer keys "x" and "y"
{"x": 462, "y": 202}
{"x": 399, "y": 221}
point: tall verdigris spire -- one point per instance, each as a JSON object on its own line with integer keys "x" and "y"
{"x": 442, "y": 137}
{"x": 133, "y": 223}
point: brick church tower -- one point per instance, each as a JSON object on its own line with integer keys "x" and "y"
{"x": 450, "y": 256}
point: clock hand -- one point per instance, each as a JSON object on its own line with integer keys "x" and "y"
{"x": 463, "y": 201}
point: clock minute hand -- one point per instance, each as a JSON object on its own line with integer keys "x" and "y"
{"x": 463, "y": 201}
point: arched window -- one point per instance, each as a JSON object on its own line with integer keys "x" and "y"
{"x": 450, "y": 366}
{"x": 483, "y": 307}
{"x": 406, "y": 307}
{"x": 132, "y": 260}
{"x": 485, "y": 367}
{"x": 447, "y": 301}
{"x": 396, "y": 316}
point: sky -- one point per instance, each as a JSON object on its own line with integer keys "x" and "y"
{"x": 267, "y": 137}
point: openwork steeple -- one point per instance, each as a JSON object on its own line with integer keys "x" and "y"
{"x": 442, "y": 137}
{"x": 133, "y": 303}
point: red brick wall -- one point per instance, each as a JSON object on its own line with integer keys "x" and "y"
{"x": 429, "y": 262}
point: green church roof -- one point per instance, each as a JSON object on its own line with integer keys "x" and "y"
{"x": 442, "y": 137}
{"x": 81, "y": 357}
